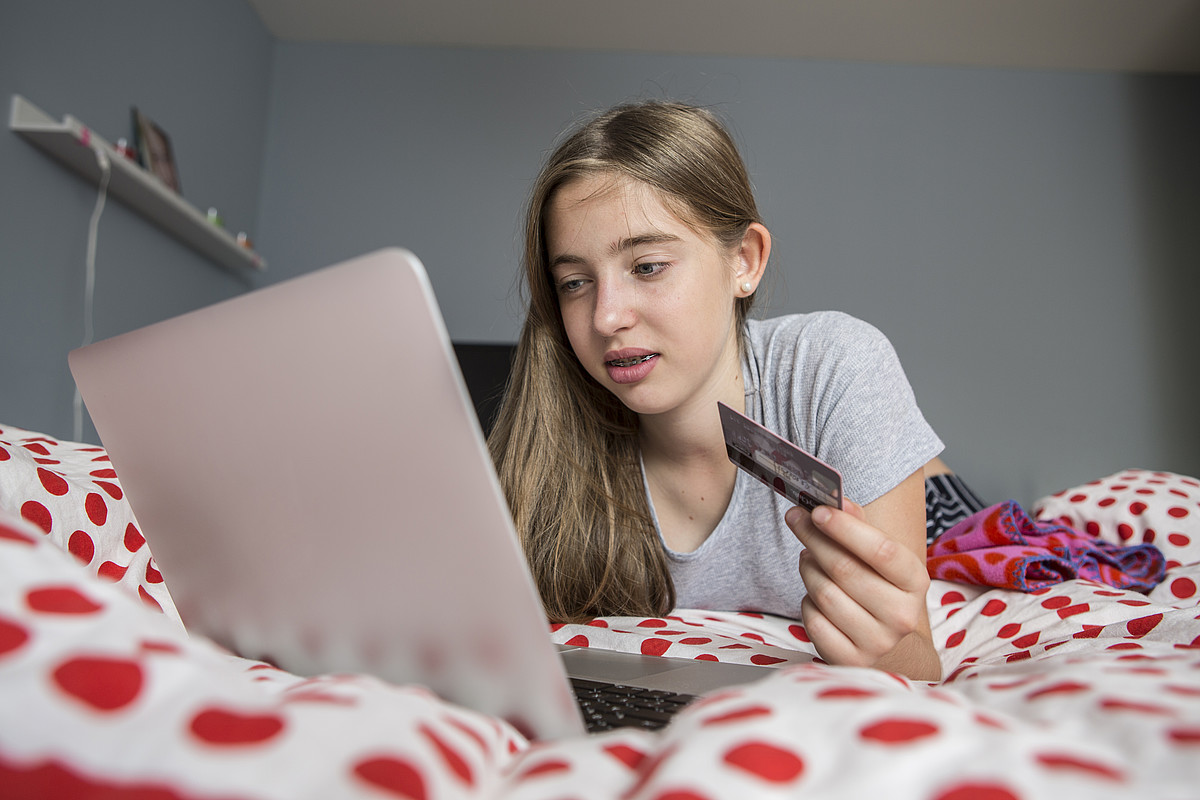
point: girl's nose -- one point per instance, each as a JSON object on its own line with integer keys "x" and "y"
{"x": 615, "y": 307}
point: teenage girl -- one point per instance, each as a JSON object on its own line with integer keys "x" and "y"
{"x": 643, "y": 253}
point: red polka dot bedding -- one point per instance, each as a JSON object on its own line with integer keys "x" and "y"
{"x": 1069, "y": 688}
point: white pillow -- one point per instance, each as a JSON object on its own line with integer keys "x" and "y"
{"x": 1136, "y": 506}
{"x": 71, "y": 493}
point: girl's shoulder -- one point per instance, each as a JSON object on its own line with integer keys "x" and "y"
{"x": 823, "y": 330}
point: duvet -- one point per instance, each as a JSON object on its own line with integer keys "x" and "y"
{"x": 1073, "y": 689}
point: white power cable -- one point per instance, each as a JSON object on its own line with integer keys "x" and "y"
{"x": 89, "y": 289}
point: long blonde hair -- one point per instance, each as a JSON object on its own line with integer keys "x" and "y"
{"x": 566, "y": 449}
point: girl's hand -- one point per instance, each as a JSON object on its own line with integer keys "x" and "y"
{"x": 866, "y": 593}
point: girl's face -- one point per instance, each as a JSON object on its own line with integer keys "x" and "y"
{"x": 647, "y": 302}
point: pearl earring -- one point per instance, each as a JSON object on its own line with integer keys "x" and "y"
{"x": 747, "y": 286}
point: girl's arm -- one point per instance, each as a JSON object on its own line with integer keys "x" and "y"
{"x": 864, "y": 569}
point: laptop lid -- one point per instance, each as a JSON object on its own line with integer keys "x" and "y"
{"x": 308, "y": 469}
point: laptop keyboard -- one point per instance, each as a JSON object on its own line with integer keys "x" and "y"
{"x": 607, "y": 706}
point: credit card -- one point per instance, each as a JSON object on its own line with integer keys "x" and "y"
{"x": 799, "y": 477}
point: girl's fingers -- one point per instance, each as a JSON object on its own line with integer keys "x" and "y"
{"x": 832, "y": 645}
{"x": 892, "y": 561}
{"x": 837, "y": 580}
{"x": 865, "y": 591}
{"x": 871, "y": 615}
{"x": 836, "y": 646}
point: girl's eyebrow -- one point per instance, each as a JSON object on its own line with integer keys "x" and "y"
{"x": 620, "y": 246}
{"x": 643, "y": 240}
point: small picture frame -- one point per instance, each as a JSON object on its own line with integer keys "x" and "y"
{"x": 153, "y": 148}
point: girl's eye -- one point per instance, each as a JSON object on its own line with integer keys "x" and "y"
{"x": 568, "y": 286}
{"x": 649, "y": 268}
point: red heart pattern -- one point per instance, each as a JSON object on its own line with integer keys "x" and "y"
{"x": 100, "y": 682}
{"x": 228, "y": 728}
{"x": 771, "y": 763}
{"x": 60, "y": 600}
{"x": 71, "y": 492}
{"x": 12, "y": 636}
{"x": 395, "y": 776}
{"x": 1076, "y": 690}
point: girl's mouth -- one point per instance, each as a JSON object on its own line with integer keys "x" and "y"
{"x": 630, "y": 369}
{"x": 630, "y": 362}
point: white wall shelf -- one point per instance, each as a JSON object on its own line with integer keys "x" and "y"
{"x": 73, "y": 143}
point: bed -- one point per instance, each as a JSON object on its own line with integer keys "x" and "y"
{"x": 1075, "y": 689}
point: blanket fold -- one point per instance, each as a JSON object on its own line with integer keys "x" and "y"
{"x": 1003, "y": 547}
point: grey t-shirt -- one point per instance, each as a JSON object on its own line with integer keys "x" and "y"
{"x": 833, "y": 385}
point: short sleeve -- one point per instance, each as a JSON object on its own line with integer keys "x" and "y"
{"x": 834, "y": 385}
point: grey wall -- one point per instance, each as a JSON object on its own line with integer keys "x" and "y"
{"x": 1027, "y": 239}
{"x": 1023, "y": 237}
{"x": 202, "y": 71}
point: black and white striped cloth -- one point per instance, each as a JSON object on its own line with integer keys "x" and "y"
{"x": 948, "y": 501}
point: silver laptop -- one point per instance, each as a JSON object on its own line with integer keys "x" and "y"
{"x": 307, "y": 466}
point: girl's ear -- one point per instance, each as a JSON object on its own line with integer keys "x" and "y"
{"x": 753, "y": 254}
